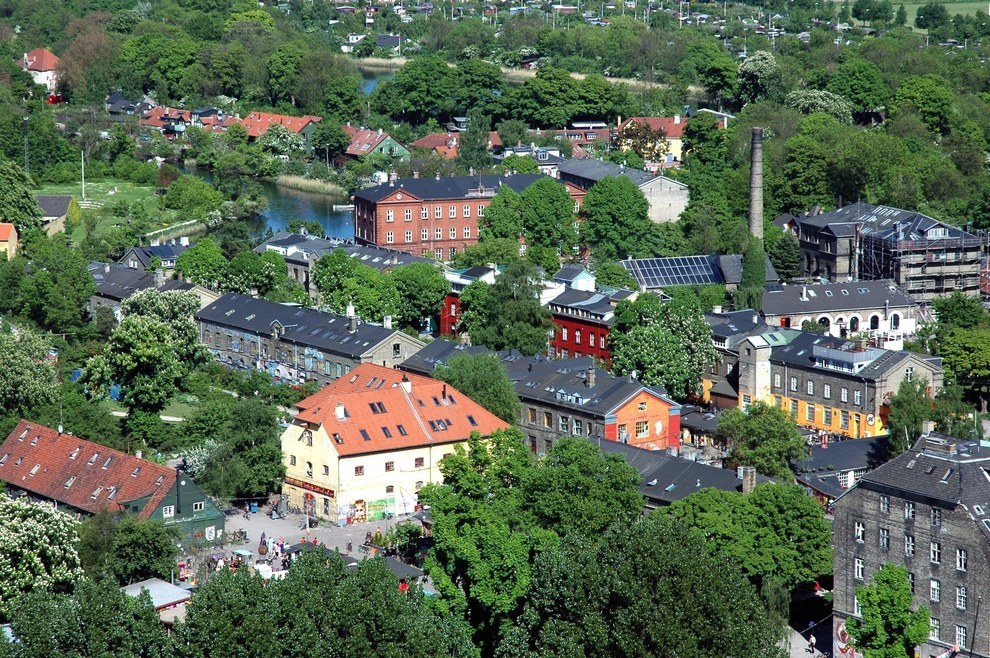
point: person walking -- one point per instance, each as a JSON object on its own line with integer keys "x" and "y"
{"x": 811, "y": 643}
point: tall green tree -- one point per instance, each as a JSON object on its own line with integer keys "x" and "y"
{"x": 503, "y": 217}
{"x": 484, "y": 379}
{"x": 17, "y": 204}
{"x": 605, "y": 598}
{"x": 764, "y": 437}
{"x": 58, "y": 286}
{"x": 617, "y": 223}
{"x": 966, "y": 357}
{"x": 777, "y": 534}
{"x": 203, "y": 263}
{"x": 472, "y": 151}
{"x": 507, "y": 314}
{"x": 888, "y": 628}
{"x": 422, "y": 288}
{"x": 548, "y": 215}
{"x": 664, "y": 344}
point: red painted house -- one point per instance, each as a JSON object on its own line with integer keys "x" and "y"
{"x": 584, "y": 320}
{"x": 430, "y": 217}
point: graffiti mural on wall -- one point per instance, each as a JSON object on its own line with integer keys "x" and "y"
{"x": 843, "y": 643}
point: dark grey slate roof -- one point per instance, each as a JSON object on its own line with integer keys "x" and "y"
{"x": 438, "y": 352}
{"x": 667, "y": 479}
{"x": 799, "y": 352}
{"x": 579, "y": 302}
{"x": 782, "y": 220}
{"x": 569, "y": 273}
{"x": 388, "y": 40}
{"x": 162, "y": 251}
{"x": 449, "y": 187}
{"x": 563, "y": 382}
{"x": 595, "y": 170}
{"x": 734, "y": 324}
{"x": 117, "y": 283}
{"x": 477, "y": 272}
{"x": 731, "y": 268}
{"x": 694, "y": 418}
{"x": 942, "y": 469}
{"x": 53, "y": 205}
{"x": 860, "y": 295}
{"x": 305, "y": 327}
{"x": 851, "y": 455}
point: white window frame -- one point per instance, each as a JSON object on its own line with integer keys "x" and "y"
{"x": 935, "y": 591}
{"x": 408, "y": 237}
{"x": 859, "y": 569}
{"x": 389, "y": 237}
{"x": 424, "y": 234}
{"x": 467, "y": 210}
{"x": 439, "y": 233}
{"x": 961, "y": 559}
{"x": 452, "y": 213}
{"x": 168, "y": 511}
{"x": 389, "y": 215}
{"x": 199, "y": 507}
{"x": 467, "y": 232}
{"x": 408, "y": 214}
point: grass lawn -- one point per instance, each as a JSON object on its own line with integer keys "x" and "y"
{"x": 109, "y": 192}
{"x": 964, "y": 8}
{"x": 174, "y": 408}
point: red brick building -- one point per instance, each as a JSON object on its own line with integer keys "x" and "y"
{"x": 434, "y": 217}
{"x": 584, "y": 320}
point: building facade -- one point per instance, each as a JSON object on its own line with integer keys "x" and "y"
{"x": 862, "y": 241}
{"x": 925, "y": 510}
{"x": 83, "y": 477}
{"x": 363, "y": 447}
{"x": 667, "y": 198}
{"x": 829, "y": 384}
{"x": 583, "y": 321}
{"x": 876, "y": 307}
{"x": 294, "y": 344}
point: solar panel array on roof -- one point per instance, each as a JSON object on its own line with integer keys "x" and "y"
{"x": 675, "y": 271}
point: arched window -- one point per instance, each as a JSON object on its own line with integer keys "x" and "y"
{"x": 824, "y": 322}
{"x": 874, "y": 322}
{"x": 895, "y": 322}
{"x": 853, "y": 324}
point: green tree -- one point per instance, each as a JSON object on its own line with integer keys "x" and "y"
{"x": 126, "y": 549}
{"x": 811, "y": 101}
{"x": 617, "y": 223}
{"x": 280, "y": 141}
{"x": 484, "y": 379}
{"x": 785, "y": 255}
{"x": 548, "y": 215}
{"x": 176, "y": 310}
{"x": 776, "y": 534}
{"x": 17, "y": 204}
{"x": 29, "y": 377}
{"x": 754, "y": 276}
{"x": 203, "y": 263}
{"x": 759, "y": 77}
{"x": 900, "y": 19}
{"x": 930, "y": 95}
{"x": 95, "y": 618}
{"x": 614, "y": 275}
{"x": 37, "y": 551}
{"x": 57, "y": 289}
{"x": 966, "y": 356}
{"x": 490, "y": 514}
{"x": 888, "y": 628}
{"x": 931, "y": 16}
{"x": 550, "y": 99}
{"x": 422, "y": 288}
{"x": 472, "y": 151}
{"x": 960, "y": 311}
{"x": 664, "y": 344}
{"x": 343, "y": 280}
{"x": 604, "y": 598}
{"x": 330, "y": 140}
{"x": 509, "y": 315}
{"x": 283, "y": 73}
{"x": 517, "y": 164}
{"x": 491, "y": 250}
{"x": 764, "y": 437}
{"x": 503, "y": 217}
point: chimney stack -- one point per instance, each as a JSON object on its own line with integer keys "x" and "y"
{"x": 339, "y": 412}
{"x": 748, "y": 476}
{"x": 415, "y": 174}
{"x": 387, "y": 322}
{"x": 927, "y": 427}
{"x": 589, "y": 380}
{"x": 406, "y": 384}
{"x": 756, "y": 186}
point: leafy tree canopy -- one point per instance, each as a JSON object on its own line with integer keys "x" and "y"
{"x": 484, "y": 379}
{"x": 764, "y": 437}
{"x": 888, "y": 628}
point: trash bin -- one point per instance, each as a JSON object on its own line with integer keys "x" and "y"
{"x": 254, "y": 508}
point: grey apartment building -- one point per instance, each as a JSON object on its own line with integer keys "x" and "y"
{"x": 926, "y": 510}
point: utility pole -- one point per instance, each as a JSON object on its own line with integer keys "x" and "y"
{"x": 82, "y": 160}
{"x": 24, "y": 127}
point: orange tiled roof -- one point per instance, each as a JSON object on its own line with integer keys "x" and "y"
{"x": 80, "y": 473}
{"x": 434, "y": 140}
{"x": 39, "y": 59}
{"x": 672, "y": 127}
{"x": 258, "y": 123}
{"x": 6, "y": 232}
{"x": 159, "y": 117}
{"x": 379, "y": 415}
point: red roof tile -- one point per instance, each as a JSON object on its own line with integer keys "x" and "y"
{"x": 673, "y": 127}
{"x": 258, "y": 123}
{"x": 39, "y": 59}
{"x": 363, "y": 140}
{"x": 370, "y": 411}
{"x": 6, "y": 232}
{"x": 80, "y": 473}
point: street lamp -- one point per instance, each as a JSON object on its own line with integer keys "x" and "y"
{"x": 24, "y": 127}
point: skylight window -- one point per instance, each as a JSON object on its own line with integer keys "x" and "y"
{"x": 107, "y": 463}
{"x": 68, "y": 483}
{"x": 387, "y": 432}
{"x": 161, "y": 478}
{"x": 92, "y": 460}
{"x": 337, "y": 438}
{"x": 402, "y": 430}
{"x": 3, "y": 460}
{"x": 35, "y": 469}
{"x": 365, "y": 435}
{"x": 74, "y": 453}
{"x": 96, "y": 493}
{"x": 135, "y": 472}
{"x": 948, "y": 474}
{"x": 473, "y": 422}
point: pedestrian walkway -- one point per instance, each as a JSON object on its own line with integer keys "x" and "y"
{"x": 797, "y": 644}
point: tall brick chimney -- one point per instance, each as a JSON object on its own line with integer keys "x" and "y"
{"x": 756, "y": 185}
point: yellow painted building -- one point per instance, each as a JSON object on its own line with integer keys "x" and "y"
{"x": 365, "y": 445}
